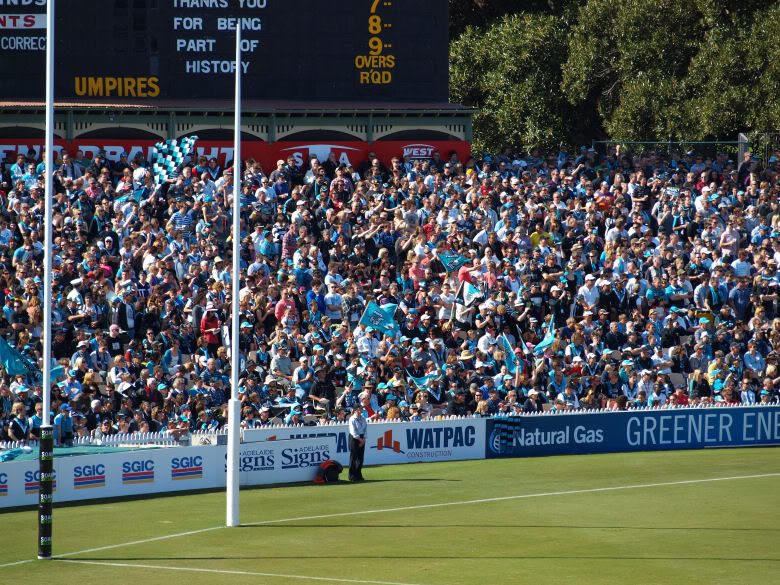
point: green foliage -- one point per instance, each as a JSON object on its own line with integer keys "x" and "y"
{"x": 511, "y": 72}
{"x": 734, "y": 83}
{"x": 673, "y": 69}
{"x": 480, "y": 13}
{"x": 630, "y": 69}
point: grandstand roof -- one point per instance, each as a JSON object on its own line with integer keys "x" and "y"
{"x": 346, "y": 107}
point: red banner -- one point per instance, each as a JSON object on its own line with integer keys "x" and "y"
{"x": 267, "y": 154}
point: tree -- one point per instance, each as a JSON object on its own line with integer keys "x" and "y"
{"x": 734, "y": 79}
{"x": 480, "y": 13}
{"x": 573, "y": 70}
{"x": 675, "y": 69}
{"x": 510, "y": 70}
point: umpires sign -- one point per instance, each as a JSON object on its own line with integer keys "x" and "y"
{"x": 633, "y": 430}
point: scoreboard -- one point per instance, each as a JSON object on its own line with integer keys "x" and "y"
{"x": 140, "y": 51}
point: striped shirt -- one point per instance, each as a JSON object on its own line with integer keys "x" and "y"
{"x": 289, "y": 243}
{"x": 183, "y": 222}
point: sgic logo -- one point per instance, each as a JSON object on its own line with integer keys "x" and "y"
{"x": 187, "y": 467}
{"x": 138, "y": 472}
{"x": 386, "y": 442}
{"x": 3, "y": 484}
{"x": 89, "y": 476}
{"x": 32, "y": 482}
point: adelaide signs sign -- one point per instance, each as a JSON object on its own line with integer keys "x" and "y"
{"x": 272, "y": 462}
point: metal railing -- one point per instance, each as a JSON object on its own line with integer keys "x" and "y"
{"x": 762, "y": 144}
{"x": 672, "y": 148}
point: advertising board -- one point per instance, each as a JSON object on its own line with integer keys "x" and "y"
{"x": 639, "y": 430}
{"x": 266, "y": 154}
{"x": 108, "y": 475}
{"x": 393, "y": 443}
{"x": 149, "y": 471}
{"x": 273, "y": 462}
{"x": 276, "y": 455}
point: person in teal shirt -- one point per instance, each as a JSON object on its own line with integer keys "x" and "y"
{"x": 36, "y": 420}
{"x": 30, "y": 178}
{"x": 267, "y": 246}
{"x": 63, "y": 427}
{"x": 657, "y": 292}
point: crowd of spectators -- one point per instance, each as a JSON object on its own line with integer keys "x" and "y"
{"x": 658, "y": 271}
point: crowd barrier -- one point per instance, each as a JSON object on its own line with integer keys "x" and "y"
{"x": 389, "y": 443}
{"x": 118, "y": 440}
{"x": 284, "y": 454}
{"x": 650, "y": 429}
{"x": 148, "y": 471}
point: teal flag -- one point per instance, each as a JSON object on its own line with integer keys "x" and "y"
{"x": 423, "y": 382}
{"x": 468, "y": 294}
{"x": 548, "y": 340}
{"x": 14, "y": 362}
{"x": 452, "y": 261}
{"x": 169, "y": 156}
{"x": 381, "y": 318}
{"x": 137, "y": 195}
{"x": 510, "y": 359}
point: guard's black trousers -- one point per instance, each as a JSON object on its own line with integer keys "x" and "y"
{"x": 356, "y": 451}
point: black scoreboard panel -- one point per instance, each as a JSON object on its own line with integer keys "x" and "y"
{"x": 143, "y": 50}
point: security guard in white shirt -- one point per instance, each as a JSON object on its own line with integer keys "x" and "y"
{"x": 357, "y": 443}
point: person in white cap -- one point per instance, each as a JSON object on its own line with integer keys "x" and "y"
{"x": 589, "y": 292}
{"x": 534, "y": 402}
{"x": 210, "y": 327}
{"x": 646, "y": 382}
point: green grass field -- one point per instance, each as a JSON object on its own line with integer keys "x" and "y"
{"x": 576, "y": 520}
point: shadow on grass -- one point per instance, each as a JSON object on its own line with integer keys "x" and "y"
{"x": 403, "y": 480}
{"x": 219, "y": 490}
{"x": 394, "y": 557}
{"x": 276, "y": 524}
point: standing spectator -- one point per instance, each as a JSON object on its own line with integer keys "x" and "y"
{"x": 63, "y": 427}
{"x": 357, "y": 443}
{"x": 210, "y": 328}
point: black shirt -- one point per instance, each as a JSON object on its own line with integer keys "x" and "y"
{"x": 456, "y": 408}
{"x": 324, "y": 389}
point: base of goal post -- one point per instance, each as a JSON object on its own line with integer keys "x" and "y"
{"x": 45, "y": 491}
{"x": 233, "y": 448}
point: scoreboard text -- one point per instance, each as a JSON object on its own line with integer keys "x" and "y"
{"x": 345, "y": 50}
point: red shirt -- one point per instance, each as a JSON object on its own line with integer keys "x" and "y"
{"x": 281, "y": 308}
{"x": 464, "y": 273}
{"x": 210, "y": 321}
